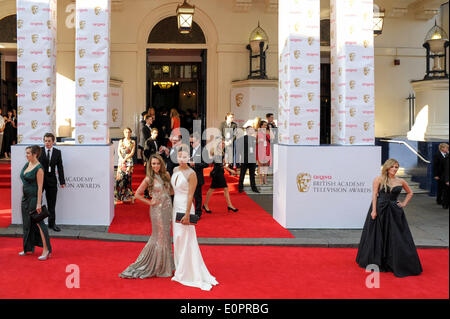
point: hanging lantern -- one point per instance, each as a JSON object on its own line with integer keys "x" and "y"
{"x": 378, "y": 20}
{"x": 185, "y": 13}
{"x": 258, "y": 45}
{"x": 436, "y": 43}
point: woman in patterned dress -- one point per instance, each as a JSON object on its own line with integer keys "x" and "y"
{"x": 123, "y": 191}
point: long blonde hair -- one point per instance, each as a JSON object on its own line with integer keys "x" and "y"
{"x": 162, "y": 173}
{"x": 385, "y": 172}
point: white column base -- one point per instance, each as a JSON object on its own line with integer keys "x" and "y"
{"x": 337, "y": 192}
{"x": 87, "y": 199}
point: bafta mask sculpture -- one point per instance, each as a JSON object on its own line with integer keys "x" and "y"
{"x": 80, "y": 139}
{"x": 340, "y": 126}
{"x": 82, "y": 52}
{"x": 19, "y": 109}
{"x": 296, "y": 54}
{"x": 81, "y": 81}
{"x": 95, "y": 124}
{"x": 81, "y": 110}
{"x": 310, "y": 124}
{"x": 351, "y": 139}
{"x": 97, "y": 38}
{"x": 303, "y": 182}
{"x": 296, "y": 138}
{"x": 352, "y": 112}
{"x": 296, "y": 110}
{"x": 115, "y": 115}
{"x": 297, "y": 82}
{"x": 19, "y": 81}
{"x": 82, "y": 24}
{"x": 19, "y": 23}
{"x": 340, "y": 98}
{"x": 96, "y": 95}
{"x": 310, "y": 96}
{"x": 19, "y": 52}
{"x": 34, "y": 9}
{"x": 311, "y": 68}
{"x": 47, "y": 109}
{"x": 310, "y": 40}
{"x": 34, "y": 67}
{"x": 239, "y": 97}
{"x": 34, "y": 38}
{"x": 366, "y": 70}
{"x": 49, "y": 24}
{"x": 34, "y": 124}
{"x": 34, "y": 95}
{"x": 49, "y": 53}
{"x": 340, "y": 71}
{"x": 19, "y": 139}
{"x": 97, "y": 10}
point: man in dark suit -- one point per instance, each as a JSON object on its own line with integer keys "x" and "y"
{"x": 170, "y": 154}
{"x": 438, "y": 170}
{"x": 228, "y": 128}
{"x": 246, "y": 156}
{"x": 51, "y": 160}
{"x": 145, "y": 133}
{"x": 197, "y": 165}
{"x": 151, "y": 145}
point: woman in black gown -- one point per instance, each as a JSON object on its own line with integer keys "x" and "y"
{"x": 386, "y": 240}
{"x": 8, "y": 135}
{"x": 218, "y": 177}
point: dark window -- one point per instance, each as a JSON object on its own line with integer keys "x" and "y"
{"x": 166, "y": 31}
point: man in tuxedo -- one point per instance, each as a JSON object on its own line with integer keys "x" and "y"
{"x": 171, "y": 153}
{"x": 145, "y": 133}
{"x": 51, "y": 159}
{"x": 151, "y": 145}
{"x": 246, "y": 156}
{"x": 197, "y": 165}
{"x": 438, "y": 170}
{"x": 445, "y": 191}
{"x": 228, "y": 129}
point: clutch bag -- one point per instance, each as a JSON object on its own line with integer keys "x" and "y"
{"x": 193, "y": 219}
{"x": 36, "y": 217}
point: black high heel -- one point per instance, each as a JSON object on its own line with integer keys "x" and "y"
{"x": 233, "y": 209}
{"x": 208, "y": 211}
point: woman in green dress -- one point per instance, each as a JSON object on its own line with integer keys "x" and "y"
{"x": 34, "y": 234}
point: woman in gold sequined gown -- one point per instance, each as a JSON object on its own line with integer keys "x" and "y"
{"x": 156, "y": 258}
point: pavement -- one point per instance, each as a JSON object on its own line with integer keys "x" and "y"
{"x": 429, "y": 224}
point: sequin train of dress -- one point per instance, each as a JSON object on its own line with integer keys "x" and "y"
{"x": 190, "y": 267}
{"x": 386, "y": 241}
{"x": 156, "y": 258}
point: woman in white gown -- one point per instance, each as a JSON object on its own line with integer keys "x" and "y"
{"x": 190, "y": 267}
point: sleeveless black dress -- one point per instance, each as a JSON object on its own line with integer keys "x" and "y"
{"x": 218, "y": 174}
{"x": 386, "y": 241}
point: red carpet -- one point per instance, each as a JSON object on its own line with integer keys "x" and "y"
{"x": 251, "y": 221}
{"x": 5, "y": 194}
{"x": 251, "y": 272}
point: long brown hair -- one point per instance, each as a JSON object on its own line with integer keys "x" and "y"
{"x": 385, "y": 172}
{"x": 162, "y": 173}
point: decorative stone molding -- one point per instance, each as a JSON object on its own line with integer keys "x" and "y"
{"x": 271, "y": 6}
{"x": 242, "y": 5}
{"x": 426, "y": 9}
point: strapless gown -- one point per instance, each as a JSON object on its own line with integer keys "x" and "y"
{"x": 386, "y": 241}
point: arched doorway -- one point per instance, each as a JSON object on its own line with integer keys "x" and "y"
{"x": 8, "y": 63}
{"x": 176, "y": 78}
{"x": 209, "y": 47}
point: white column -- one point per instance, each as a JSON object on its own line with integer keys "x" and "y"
{"x": 299, "y": 72}
{"x": 352, "y": 72}
{"x": 92, "y": 71}
{"x": 36, "y": 69}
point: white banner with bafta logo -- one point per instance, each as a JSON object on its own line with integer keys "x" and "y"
{"x": 352, "y": 72}
{"x": 36, "y": 72}
{"x": 87, "y": 198}
{"x": 299, "y": 72}
{"x": 92, "y": 71}
{"x": 324, "y": 186}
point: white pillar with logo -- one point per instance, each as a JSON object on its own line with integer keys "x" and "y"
{"x": 315, "y": 186}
